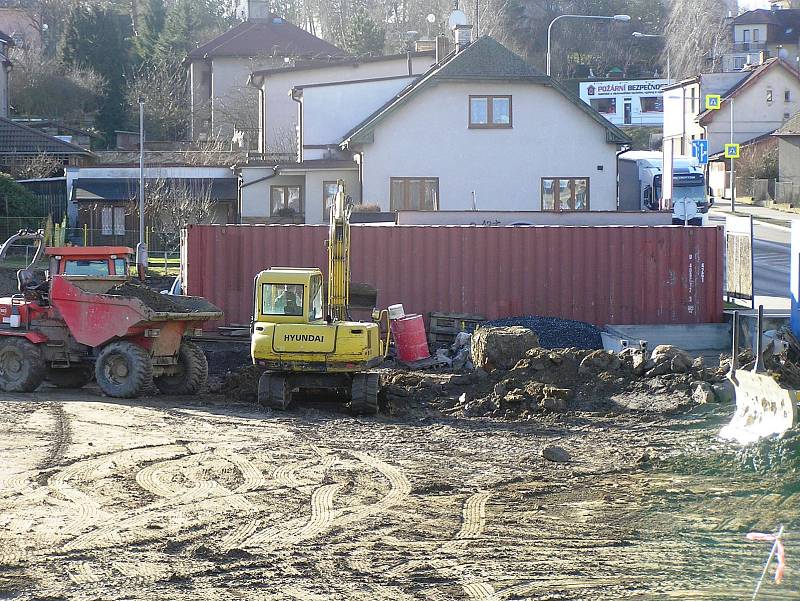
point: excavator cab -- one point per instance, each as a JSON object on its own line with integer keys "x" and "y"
{"x": 286, "y": 295}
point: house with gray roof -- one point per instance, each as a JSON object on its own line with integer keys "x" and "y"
{"x": 19, "y": 143}
{"x": 481, "y": 129}
{"x": 221, "y": 101}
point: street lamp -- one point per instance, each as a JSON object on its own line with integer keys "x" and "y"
{"x": 623, "y": 18}
{"x": 639, "y": 34}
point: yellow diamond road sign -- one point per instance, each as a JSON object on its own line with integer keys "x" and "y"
{"x": 713, "y": 102}
{"x": 731, "y": 151}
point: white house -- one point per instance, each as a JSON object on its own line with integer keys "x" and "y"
{"x": 221, "y": 101}
{"x": 278, "y": 113}
{"x": 480, "y": 129}
{"x": 762, "y": 99}
{"x": 484, "y": 129}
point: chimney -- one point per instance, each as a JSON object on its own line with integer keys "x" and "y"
{"x": 463, "y": 36}
{"x": 442, "y": 47}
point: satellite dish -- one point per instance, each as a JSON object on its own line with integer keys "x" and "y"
{"x": 431, "y": 18}
{"x": 456, "y": 18}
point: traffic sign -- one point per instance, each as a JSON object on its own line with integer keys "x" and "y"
{"x": 713, "y": 102}
{"x": 700, "y": 151}
{"x": 731, "y": 151}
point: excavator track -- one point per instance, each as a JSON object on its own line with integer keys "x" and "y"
{"x": 274, "y": 391}
{"x": 364, "y": 395}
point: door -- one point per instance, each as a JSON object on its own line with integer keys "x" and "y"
{"x": 628, "y": 111}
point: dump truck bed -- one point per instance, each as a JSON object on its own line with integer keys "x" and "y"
{"x": 100, "y": 309}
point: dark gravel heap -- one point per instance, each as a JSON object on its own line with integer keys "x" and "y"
{"x": 556, "y": 333}
{"x": 161, "y": 303}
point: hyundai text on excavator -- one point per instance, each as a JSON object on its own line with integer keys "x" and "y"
{"x": 306, "y": 344}
{"x": 87, "y": 319}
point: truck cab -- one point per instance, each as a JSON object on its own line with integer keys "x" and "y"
{"x": 96, "y": 261}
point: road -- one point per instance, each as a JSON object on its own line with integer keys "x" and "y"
{"x": 771, "y": 258}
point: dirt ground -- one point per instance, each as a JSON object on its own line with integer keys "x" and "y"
{"x": 209, "y": 498}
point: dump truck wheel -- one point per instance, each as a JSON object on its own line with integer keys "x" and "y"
{"x": 71, "y": 377}
{"x": 192, "y": 372}
{"x": 123, "y": 370}
{"x": 274, "y": 391}
{"x": 22, "y": 366}
{"x": 364, "y": 396}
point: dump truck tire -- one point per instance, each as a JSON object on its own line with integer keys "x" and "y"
{"x": 22, "y": 366}
{"x": 192, "y": 375}
{"x": 364, "y": 394}
{"x": 70, "y": 377}
{"x": 123, "y": 370}
{"x": 274, "y": 391}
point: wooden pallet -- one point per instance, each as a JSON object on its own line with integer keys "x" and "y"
{"x": 444, "y": 326}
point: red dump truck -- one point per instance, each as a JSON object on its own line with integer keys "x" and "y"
{"x": 88, "y": 319}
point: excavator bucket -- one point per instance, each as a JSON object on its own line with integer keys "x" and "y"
{"x": 763, "y": 407}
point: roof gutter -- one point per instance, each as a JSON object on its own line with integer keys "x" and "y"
{"x": 275, "y": 171}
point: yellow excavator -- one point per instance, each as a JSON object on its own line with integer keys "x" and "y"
{"x": 304, "y": 343}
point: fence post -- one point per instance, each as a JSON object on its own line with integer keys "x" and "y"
{"x": 86, "y": 234}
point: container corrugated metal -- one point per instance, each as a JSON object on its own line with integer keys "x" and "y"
{"x": 602, "y": 275}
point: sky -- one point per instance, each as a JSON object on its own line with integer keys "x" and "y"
{"x": 751, "y": 4}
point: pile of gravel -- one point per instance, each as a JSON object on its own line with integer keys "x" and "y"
{"x": 554, "y": 332}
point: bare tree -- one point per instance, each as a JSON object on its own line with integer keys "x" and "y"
{"x": 38, "y": 166}
{"x": 697, "y": 36}
{"x": 164, "y": 86}
{"x": 171, "y": 204}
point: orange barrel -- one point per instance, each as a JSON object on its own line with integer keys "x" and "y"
{"x": 409, "y": 338}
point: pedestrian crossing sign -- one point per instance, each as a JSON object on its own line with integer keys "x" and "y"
{"x": 731, "y": 151}
{"x": 713, "y": 102}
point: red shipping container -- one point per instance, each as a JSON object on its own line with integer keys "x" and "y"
{"x": 602, "y": 274}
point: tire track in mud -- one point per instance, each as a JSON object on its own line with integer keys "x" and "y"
{"x": 83, "y": 574}
{"x": 61, "y": 439}
{"x": 142, "y": 571}
{"x": 474, "y": 516}
{"x": 322, "y": 515}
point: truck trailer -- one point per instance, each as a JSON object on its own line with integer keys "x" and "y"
{"x": 640, "y": 186}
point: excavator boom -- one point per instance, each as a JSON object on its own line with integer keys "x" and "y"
{"x": 339, "y": 256}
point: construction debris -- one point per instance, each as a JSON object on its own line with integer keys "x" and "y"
{"x": 554, "y": 332}
{"x": 161, "y": 303}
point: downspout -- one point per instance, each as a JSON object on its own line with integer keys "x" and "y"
{"x": 297, "y": 95}
{"x": 262, "y": 111}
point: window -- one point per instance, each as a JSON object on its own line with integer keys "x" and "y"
{"x": 120, "y": 267}
{"x": 606, "y": 106}
{"x": 282, "y": 299}
{"x": 316, "y": 299}
{"x": 97, "y": 267}
{"x": 286, "y": 201}
{"x": 652, "y": 104}
{"x": 112, "y": 221}
{"x": 414, "y": 194}
{"x": 787, "y": 95}
{"x": 738, "y": 63}
{"x": 769, "y": 95}
{"x": 756, "y": 33}
{"x": 746, "y": 36}
{"x": 489, "y": 112}
{"x": 565, "y": 194}
{"x": 329, "y": 190}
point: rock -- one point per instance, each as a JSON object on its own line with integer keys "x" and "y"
{"x": 407, "y": 380}
{"x": 668, "y": 359}
{"x": 397, "y": 391}
{"x": 481, "y": 407}
{"x": 555, "y": 454}
{"x": 501, "y": 348}
{"x": 644, "y": 458}
{"x": 554, "y": 405}
{"x": 500, "y": 389}
{"x": 480, "y": 375}
{"x": 699, "y": 363}
{"x": 598, "y": 361}
{"x": 702, "y": 393}
{"x": 724, "y": 392}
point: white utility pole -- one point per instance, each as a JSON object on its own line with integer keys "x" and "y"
{"x": 141, "y": 248}
{"x": 733, "y": 169}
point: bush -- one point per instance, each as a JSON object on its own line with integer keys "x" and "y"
{"x": 15, "y": 199}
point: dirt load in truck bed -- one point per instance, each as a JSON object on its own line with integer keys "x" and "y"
{"x": 161, "y": 303}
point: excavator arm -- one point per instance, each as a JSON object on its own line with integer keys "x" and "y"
{"x": 38, "y": 236}
{"x": 339, "y": 256}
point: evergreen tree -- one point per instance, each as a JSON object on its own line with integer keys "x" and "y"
{"x": 363, "y": 36}
{"x": 188, "y": 24}
{"x": 95, "y": 38}
{"x": 152, "y": 15}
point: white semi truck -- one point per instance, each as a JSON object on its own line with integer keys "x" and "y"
{"x": 640, "y": 186}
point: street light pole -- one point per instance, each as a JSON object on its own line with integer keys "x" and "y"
{"x": 733, "y": 169}
{"x": 141, "y": 248}
{"x": 623, "y": 18}
{"x": 638, "y": 34}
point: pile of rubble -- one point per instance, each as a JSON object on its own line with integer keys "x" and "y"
{"x": 516, "y": 379}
